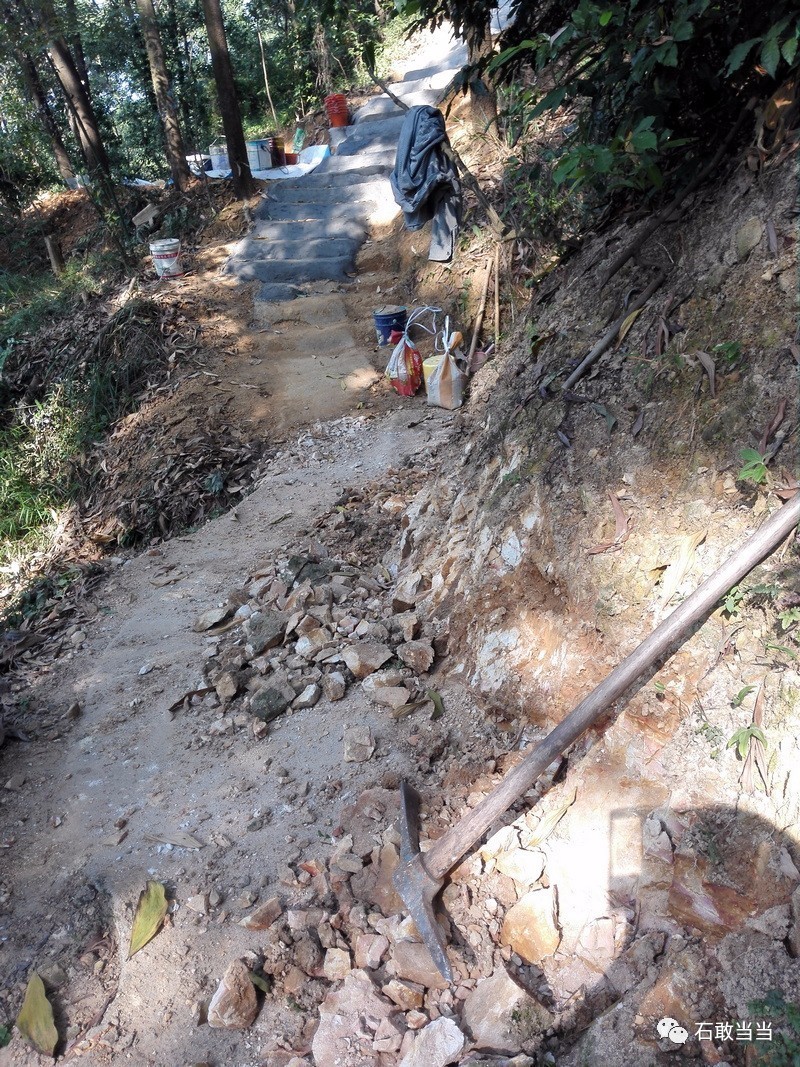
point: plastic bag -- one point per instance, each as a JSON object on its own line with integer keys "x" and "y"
{"x": 446, "y": 383}
{"x": 404, "y": 369}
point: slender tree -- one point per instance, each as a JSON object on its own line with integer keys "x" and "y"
{"x": 173, "y": 138}
{"x": 49, "y": 124}
{"x": 228, "y": 100}
{"x": 74, "y": 90}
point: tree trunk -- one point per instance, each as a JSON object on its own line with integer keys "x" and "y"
{"x": 36, "y": 89}
{"x": 228, "y": 100}
{"x": 77, "y": 97}
{"x": 173, "y": 139}
{"x": 77, "y": 45}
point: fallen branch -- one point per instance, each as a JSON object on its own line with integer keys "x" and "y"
{"x": 608, "y": 337}
{"x": 650, "y": 227}
{"x": 481, "y": 312}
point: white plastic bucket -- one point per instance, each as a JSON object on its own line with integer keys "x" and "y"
{"x": 167, "y": 257}
{"x": 219, "y": 156}
{"x": 258, "y": 155}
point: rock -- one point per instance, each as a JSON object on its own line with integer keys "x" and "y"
{"x": 309, "y": 644}
{"x": 334, "y": 686}
{"x": 436, "y": 1045}
{"x": 78, "y": 638}
{"x": 415, "y": 1020}
{"x": 308, "y": 955}
{"x": 370, "y": 950}
{"x": 271, "y": 701}
{"x": 234, "y": 1005}
{"x": 391, "y": 696}
{"x": 209, "y": 618}
{"x": 337, "y": 964}
{"x": 263, "y": 916}
{"x": 341, "y": 1038}
{"x": 265, "y": 630}
{"x": 405, "y": 995}
{"x": 294, "y": 980}
{"x": 407, "y": 622}
{"x": 388, "y": 1036}
{"x": 74, "y": 711}
{"x": 226, "y": 686}
{"x": 198, "y": 903}
{"x": 405, "y": 593}
{"x": 530, "y": 926}
{"x": 500, "y": 1015}
{"x": 52, "y": 975}
{"x": 16, "y": 781}
{"x": 413, "y": 962}
{"x": 358, "y": 744}
{"x": 774, "y": 921}
{"x": 308, "y": 698}
{"x": 418, "y": 655}
{"x": 364, "y": 657}
{"x": 748, "y": 237}
{"x": 388, "y": 678}
{"x": 524, "y": 866}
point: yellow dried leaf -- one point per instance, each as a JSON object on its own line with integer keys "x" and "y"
{"x": 548, "y": 823}
{"x": 679, "y": 567}
{"x": 149, "y": 918}
{"x": 35, "y": 1019}
{"x": 626, "y": 325}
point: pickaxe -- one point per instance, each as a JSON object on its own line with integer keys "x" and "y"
{"x": 420, "y": 876}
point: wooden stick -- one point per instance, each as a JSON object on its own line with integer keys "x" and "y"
{"x": 479, "y": 317}
{"x": 54, "y": 255}
{"x": 608, "y": 337}
{"x": 266, "y": 80}
{"x": 497, "y": 297}
{"x": 650, "y": 227}
{"x": 446, "y": 852}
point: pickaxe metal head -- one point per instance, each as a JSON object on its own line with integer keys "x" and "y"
{"x": 415, "y": 885}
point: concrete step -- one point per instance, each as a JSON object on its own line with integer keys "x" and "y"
{"x": 281, "y": 231}
{"x": 293, "y": 271}
{"x": 335, "y": 182}
{"x": 277, "y": 292}
{"x": 330, "y": 213}
{"x": 376, "y": 151}
{"x": 313, "y": 196}
{"x": 383, "y": 107}
{"x": 272, "y": 250}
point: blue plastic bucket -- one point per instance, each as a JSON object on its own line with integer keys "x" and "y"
{"x": 391, "y": 317}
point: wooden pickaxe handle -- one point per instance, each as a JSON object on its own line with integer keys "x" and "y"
{"x": 459, "y": 839}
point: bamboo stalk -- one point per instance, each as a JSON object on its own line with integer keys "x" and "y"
{"x": 497, "y": 298}
{"x": 266, "y": 79}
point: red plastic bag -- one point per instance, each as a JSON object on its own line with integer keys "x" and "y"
{"x": 404, "y": 369}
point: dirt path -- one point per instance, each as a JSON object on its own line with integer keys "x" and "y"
{"x": 100, "y": 800}
{"x": 90, "y": 820}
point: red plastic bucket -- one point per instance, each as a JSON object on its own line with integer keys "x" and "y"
{"x": 336, "y": 106}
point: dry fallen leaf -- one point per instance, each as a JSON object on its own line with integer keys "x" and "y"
{"x": 711, "y": 370}
{"x": 177, "y": 838}
{"x": 627, "y": 323}
{"x": 548, "y": 823}
{"x": 678, "y": 568}
{"x": 35, "y": 1019}
{"x": 149, "y": 918}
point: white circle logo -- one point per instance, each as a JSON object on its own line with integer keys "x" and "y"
{"x": 672, "y": 1030}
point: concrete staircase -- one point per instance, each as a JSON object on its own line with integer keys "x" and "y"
{"x": 310, "y": 228}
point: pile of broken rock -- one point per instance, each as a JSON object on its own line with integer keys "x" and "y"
{"x": 310, "y": 627}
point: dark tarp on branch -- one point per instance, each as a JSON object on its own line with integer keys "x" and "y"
{"x": 425, "y": 180}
